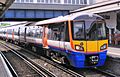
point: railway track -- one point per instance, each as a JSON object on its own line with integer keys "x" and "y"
{"x": 105, "y": 72}
{"x": 75, "y": 72}
{"x": 56, "y": 66}
{"x": 31, "y": 69}
{"x": 112, "y": 65}
{"x": 12, "y": 70}
{"x": 51, "y": 65}
{"x": 72, "y": 70}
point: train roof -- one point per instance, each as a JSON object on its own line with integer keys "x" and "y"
{"x": 65, "y": 18}
{"x": 16, "y": 25}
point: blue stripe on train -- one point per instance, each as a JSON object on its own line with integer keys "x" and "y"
{"x": 78, "y": 59}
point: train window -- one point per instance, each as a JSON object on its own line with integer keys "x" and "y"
{"x": 62, "y": 32}
{"x": 101, "y": 31}
{"x": 56, "y": 31}
{"x": 49, "y": 33}
{"x": 91, "y": 32}
{"x": 27, "y": 32}
{"x": 37, "y": 33}
{"x": 53, "y": 31}
{"x": 16, "y": 31}
{"x": 31, "y": 34}
{"x": 22, "y": 31}
{"x": 96, "y": 31}
{"x": 78, "y": 30}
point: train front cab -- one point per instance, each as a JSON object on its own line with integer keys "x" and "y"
{"x": 88, "y": 41}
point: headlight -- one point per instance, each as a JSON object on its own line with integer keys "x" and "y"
{"x": 79, "y": 48}
{"x": 104, "y": 46}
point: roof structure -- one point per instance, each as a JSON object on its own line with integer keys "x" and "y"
{"x": 4, "y": 5}
{"x": 107, "y": 6}
{"x": 40, "y": 6}
{"x": 64, "y": 18}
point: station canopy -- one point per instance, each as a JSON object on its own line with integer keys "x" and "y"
{"x": 4, "y": 5}
{"x": 103, "y": 7}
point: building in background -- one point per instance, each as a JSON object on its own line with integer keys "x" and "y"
{"x": 112, "y": 20}
{"x": 42, "y": 9}
{"x": 4, "y": 5}
{"x": 73, "y": 2}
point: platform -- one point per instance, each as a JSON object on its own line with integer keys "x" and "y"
{"x": 4, "y": 71}
{"x": 113, "y": 52}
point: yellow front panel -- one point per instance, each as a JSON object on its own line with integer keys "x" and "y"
{"x": 92, "y": 46}
{"x": 83, "y": 43}
{"x": 101, "y": 42}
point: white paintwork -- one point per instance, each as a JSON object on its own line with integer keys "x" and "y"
{"x": 53, "y": 43}
{"x": 16, "y": 37}
{"x": 63, "y": 18}
{"x": 60, "y": 44}
{"x": 30, "y": 39}
{"x": 38, "y": 40}
{"x": 9, "y": 36}
{"x": 68, "y": 46}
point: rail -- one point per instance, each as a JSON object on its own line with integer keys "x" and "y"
{"x": 14, "y": 74}
{"x": 39, "y": 69}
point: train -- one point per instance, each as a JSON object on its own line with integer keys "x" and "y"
{"x": 77, "y": 39}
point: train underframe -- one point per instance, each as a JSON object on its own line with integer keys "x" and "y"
{"x": 71, "y": 58}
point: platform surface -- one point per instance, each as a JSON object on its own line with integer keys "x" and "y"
{"x": 4, "y": 71}
{"x": 113, "y": 52}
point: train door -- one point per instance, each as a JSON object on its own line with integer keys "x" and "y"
{"x": 56, "y": 33}
{"x": 62, "y": 36}
{"x": 25, "y": 34}
{"x": 13, "y": 34}
{"x": 19, "y": 34}
{"x": 22, "y": 34}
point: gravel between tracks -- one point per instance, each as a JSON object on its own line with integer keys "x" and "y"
{"x": 18, "y": 64}
{"x": 21, "y": 68}
{"x": 48, "y": 66}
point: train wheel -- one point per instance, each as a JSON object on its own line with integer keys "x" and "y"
{"x": 62, "y": 60}
{"x": 57, "y": 58}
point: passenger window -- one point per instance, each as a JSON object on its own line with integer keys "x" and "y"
{"x": 78, "y": 30}
{"x": 37, "y": 32}
{"x": 56, "y": 31}
{"x": 29, "y": 32}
